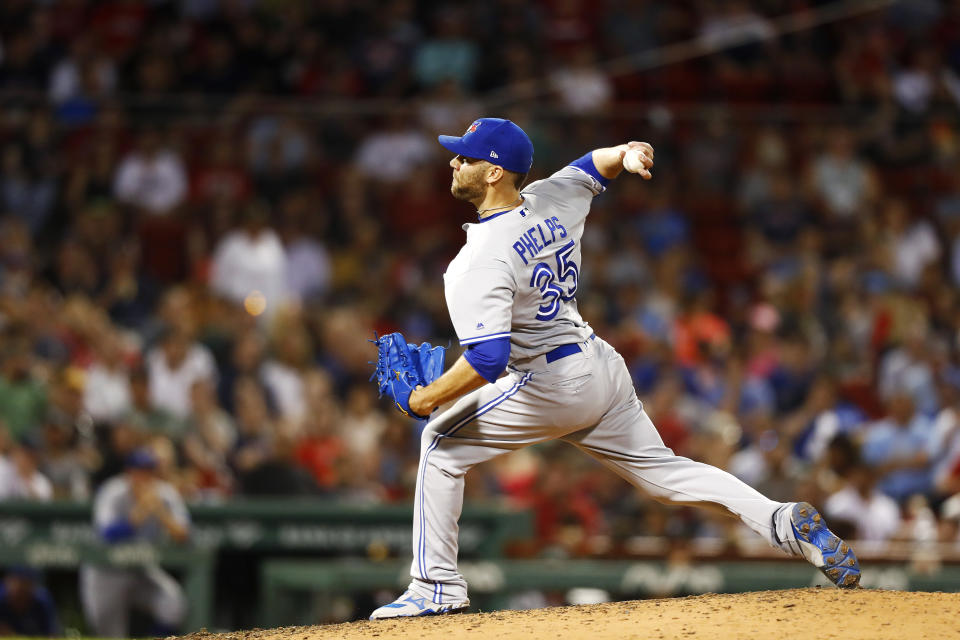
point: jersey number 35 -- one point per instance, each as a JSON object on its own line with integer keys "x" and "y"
{"x": 554, "y": 286}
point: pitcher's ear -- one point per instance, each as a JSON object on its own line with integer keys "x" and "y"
{"x": 494, "y": 174}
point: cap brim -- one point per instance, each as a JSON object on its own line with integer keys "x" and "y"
{"x": 454, "y": 144}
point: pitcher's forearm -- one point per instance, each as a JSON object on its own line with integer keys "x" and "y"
{"x": 456, "y": 381}
{"x": 609, "y": 160}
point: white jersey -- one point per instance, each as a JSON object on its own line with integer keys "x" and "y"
{"x": 517, "y": 274}
{"x": 114, "y": 503}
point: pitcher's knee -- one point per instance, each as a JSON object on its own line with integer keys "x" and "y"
{"x": 439, "y": 462}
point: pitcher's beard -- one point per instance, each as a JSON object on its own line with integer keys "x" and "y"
{"x": 467, "y": 192}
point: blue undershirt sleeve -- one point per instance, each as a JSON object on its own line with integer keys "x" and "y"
{"x": 117, "y": 531}
{"x": 585, "y": 164}
{"x": 489, "y": 358}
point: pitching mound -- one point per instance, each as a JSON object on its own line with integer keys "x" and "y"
{"x": 801, "y": 613}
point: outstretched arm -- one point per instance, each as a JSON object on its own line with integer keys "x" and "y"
{"x": 609, "y": 160}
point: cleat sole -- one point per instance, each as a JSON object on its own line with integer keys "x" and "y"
{"x": 820, "y": 545}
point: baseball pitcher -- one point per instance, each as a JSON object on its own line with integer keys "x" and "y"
{"x": 511, "y": 294}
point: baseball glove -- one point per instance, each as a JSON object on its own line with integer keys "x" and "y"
{"x": 401, "y": 367}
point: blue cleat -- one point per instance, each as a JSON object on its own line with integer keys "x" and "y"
{"x": 411, "y": 605}
{"x": 822, "y": 548}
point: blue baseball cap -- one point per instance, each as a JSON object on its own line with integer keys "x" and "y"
{"x": 495, "y": 140}
{"x": 141, "y": 459}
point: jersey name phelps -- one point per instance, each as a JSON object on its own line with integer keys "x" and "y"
{"x": 517, "y": 274}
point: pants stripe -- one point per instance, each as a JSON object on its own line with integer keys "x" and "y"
{"x": 422, "y": 542}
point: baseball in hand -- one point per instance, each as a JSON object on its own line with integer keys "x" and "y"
{"x": 633, "y": 161}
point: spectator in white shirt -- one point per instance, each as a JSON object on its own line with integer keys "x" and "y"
{"x": 393, "y": 154}
{"x": 308, "y": 264}
{"x": 173, "y": 367}
{"x": 66, "y": 76}
{"x": 908, "y": 368}
{"x": 842, "y": 183}
{"x": 876, "y": 515}
{"x": 19, "y": 477}
{"x": 732, "y": 23}
{"x": 913, "y": 244}
{"x": 581, "y": 85}
{"x": 150, "y": 177}
{"x": 363, "y": 425}
{"x": 251, "y": 261}
{"x": 283, "y": 373}
{"x": 106, "y": 391}
{"x": 303, "y": 223}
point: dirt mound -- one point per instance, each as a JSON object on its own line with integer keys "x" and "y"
{"x": 802, "y": 613}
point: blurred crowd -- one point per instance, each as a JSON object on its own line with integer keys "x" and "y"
{"x": 206, "y": 207}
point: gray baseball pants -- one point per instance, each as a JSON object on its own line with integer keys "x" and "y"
{"x": 108, "y": 595}
{"x": 588, "y": 400}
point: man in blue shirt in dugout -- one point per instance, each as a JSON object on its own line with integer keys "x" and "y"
{"x": 26, "y": 608}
